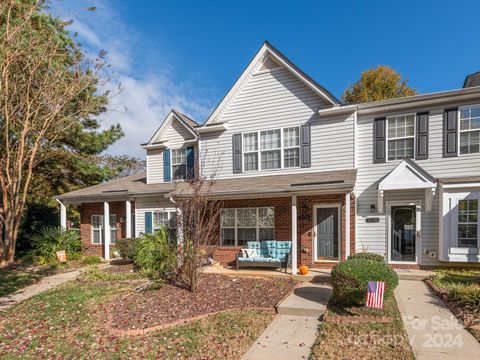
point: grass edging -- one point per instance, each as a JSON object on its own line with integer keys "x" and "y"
{"x": 136, "y": 332}
{"x": 365, "y": 319}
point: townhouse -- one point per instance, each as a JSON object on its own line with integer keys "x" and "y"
{"x": 399, "y": 177}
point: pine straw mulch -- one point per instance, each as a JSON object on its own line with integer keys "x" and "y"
{"x": 148, "y": 310}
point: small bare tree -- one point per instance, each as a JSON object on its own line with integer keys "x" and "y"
{"x": 198, "y": 214}
{"x": 46, "y": 86}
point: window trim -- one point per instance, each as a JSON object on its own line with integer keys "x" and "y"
{"x": 169, "y": 217}
{"x": 459, "y": 132}
{"x": 414, "y": 136}
{"x": 282, "y": 149}
{"x": 102, "y": 229}
{"x": 172, "y": 164}
{"x": 458, "y": 223}
{"x": 236, "y": 227}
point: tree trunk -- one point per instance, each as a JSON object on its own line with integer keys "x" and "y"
{"x": 10, "y": 233}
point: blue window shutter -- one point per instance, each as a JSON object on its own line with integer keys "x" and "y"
{"x": 167, "y": 176}
{"x": 148, "y": 222}
{"x": 305, "y": 146}
{"x": 237, "y": 153}
{"x": 190, "y": 162}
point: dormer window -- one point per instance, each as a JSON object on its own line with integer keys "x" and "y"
{"x": 179, "y": 164}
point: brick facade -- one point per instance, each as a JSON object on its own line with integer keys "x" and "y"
{"x": 86, "y": 212}
{"x": 283, "y": 208}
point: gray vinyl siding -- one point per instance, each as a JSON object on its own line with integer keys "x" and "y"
{"x": 176, "y": 134}
{"x": 273, "y": 100}
{"x": 373, "y": 235}
{"x": 142, "y": 205}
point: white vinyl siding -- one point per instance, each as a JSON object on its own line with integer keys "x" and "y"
{"x": 237, "y": 226}
{"x": 277, "y": 100}
{"x": 469, "y": 118}
{"x": 371, "y": 236}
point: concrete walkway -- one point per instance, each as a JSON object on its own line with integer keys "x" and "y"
{"x": 433, "y": 331}
{"x": 46, "y": 283}
{"x": 292, "y": 333}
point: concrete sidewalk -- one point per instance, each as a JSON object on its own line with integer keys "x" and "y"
{"x": 47, "y": 283}
{"x": 433, "y": 331}
{"x": 293, "y": 332}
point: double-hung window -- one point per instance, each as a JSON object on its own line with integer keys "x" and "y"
{"x": 98, "y": 228}
{"x": 271, "y": 149}
{"x": 179, "y": 164}
{"x": 468, "y": 223}
{"x": 167, "y": 219}
{"x": 401, "y": 136}
{"x": 246, "y": 224}
{"x": 470, "y": 129}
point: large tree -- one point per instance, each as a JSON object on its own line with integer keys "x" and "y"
{"x": 50, "y": 97}
{"x": 380, "y": 83}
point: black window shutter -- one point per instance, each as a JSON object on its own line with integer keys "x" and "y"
{"x": 237, "y": 153}
{"x": 379, "y": 133}
{"x": 422, "y": 136}
{"x": 450, "y": 129}
{"x": 305, "y": 146}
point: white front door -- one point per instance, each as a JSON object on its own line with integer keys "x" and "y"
{"x": 403, "y": 230}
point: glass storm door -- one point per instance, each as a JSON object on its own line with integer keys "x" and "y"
{"x": 327, "y": 234}
{"x": 403, "y": 236}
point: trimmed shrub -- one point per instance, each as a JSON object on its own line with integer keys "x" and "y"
{"x": 350, "y": 279}
{"x": 126, "y": 247}
{"x": 367, "y": 256}
{"x": 91, "y": 260}
{"x": 52, "y": 239}
{"x": 155, "y": 254}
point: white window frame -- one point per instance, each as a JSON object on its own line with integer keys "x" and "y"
{"x": 172, "y": 164}
{"x": 170, "y": 215}
{"x": 236, "y": 227}
{"x": 465, "y": 131}
{"x": 414, "y": 136}
{"x": 259, "y": 150}
{"x": 458, "y": 223}
{"x": 113, "y": 228}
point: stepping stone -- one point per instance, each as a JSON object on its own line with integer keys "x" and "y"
{"x": 307, "y": 300}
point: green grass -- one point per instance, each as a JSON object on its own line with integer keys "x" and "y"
{"x": 68, "y": 322}
{"x": 363, "y": 341}
{"x": 463, "y": 287}
{"x": 95, "y": 274}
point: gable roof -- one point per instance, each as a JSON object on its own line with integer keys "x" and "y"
{"x": 472, "y": 80}
{"x": 277, "y": 56}
{"x": 407, "y": 175}
{"x": 188, "y": 123}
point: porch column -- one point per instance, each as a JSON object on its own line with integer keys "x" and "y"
{"x": 347, "y": 225}
{"x": 63, "y": 215}
{"x": 106, "y": 229}
{"x": 294, "y": 235}
{"x": 128, "y": 218}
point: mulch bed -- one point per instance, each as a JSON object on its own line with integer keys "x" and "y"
{"x": 170, "y": 304}
{"x": 119, "y": 269}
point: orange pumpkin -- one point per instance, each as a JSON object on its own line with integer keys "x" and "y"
{"x": 303, "y": 270}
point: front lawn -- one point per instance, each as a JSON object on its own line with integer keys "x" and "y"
{"x": 363, "y": 340}
{"x": 69, "y": 322}
{"x": 460, "y": 289}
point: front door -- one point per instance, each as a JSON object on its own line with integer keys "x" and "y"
{"x": 326, "y": 231}
{"x": 403, "y": 235}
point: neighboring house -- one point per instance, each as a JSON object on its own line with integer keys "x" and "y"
{"x": 399, "y": 177}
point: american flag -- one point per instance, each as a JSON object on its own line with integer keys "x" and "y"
{"x": 375, "y": 294}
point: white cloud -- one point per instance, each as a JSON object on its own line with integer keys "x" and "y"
{"x": 146, "y": 98}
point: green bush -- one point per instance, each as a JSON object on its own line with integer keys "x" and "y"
{"x": 91, "y": 260}
{"x": 155, "y": 254}
{"x": 126, "y": 247}
{"x": 51, "y": 239}
{"x": 350, "y": 279}
{"x": 367, "y": 256}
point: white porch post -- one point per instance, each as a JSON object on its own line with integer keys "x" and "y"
{"x": 106, "y": 229}
{"x": 294, "y": 235}
{"x": 63, "y": 215}
{"x": 128, "y": 218}
{"x": 347, "y": 225}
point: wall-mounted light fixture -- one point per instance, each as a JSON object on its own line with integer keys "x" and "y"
{"x": 373, "y": 208}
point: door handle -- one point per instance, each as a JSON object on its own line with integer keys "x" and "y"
{"x": 418, "y": 233}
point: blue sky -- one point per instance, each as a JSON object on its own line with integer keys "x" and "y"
{"x": 187, "y": 54}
